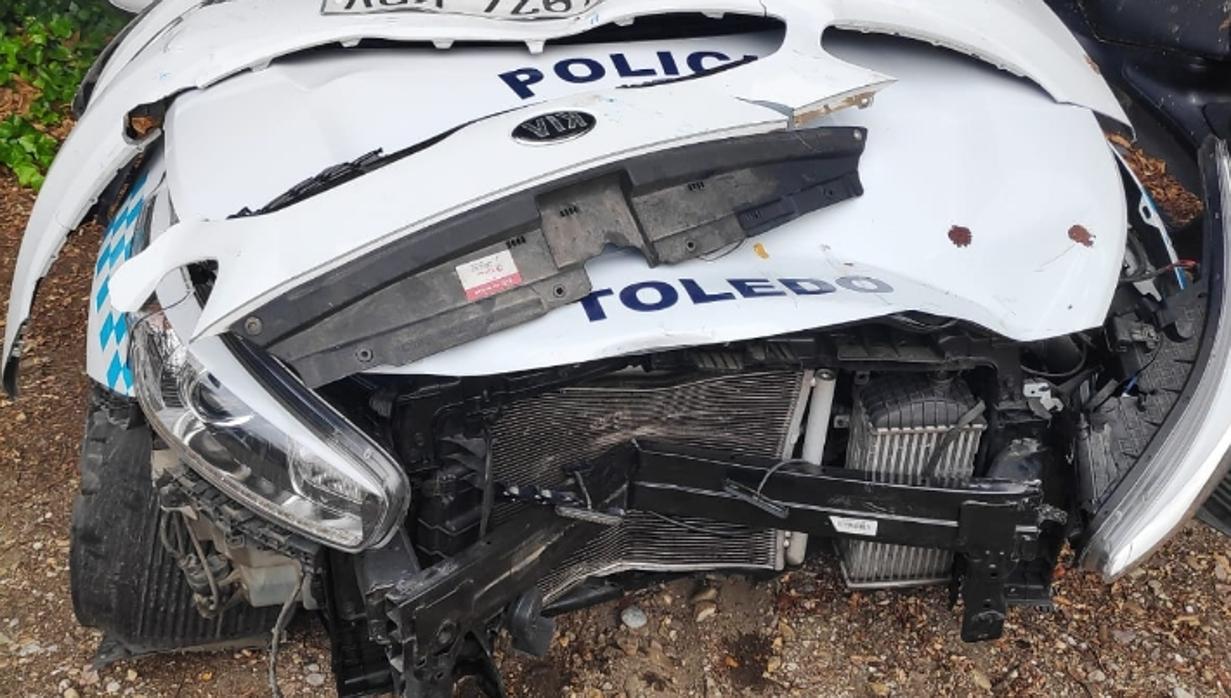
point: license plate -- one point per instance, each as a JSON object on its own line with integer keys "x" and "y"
{"x": 498, "y": 9}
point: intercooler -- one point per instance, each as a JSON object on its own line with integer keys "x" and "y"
{"x": 748, "y": 413}
{"x": 897, "y": 422}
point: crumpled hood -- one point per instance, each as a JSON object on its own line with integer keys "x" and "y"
{"x": 994, "y": 205}
{"x": 210, "y": 42}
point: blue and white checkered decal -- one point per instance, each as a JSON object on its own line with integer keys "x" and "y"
{"x": 107, "y": 340}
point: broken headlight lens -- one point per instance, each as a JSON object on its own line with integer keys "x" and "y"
{"x": 268, "y": 442}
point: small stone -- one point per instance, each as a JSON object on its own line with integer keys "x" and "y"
{"x": 1222, "y": 568}
{"x": 787, "y": 632}
{"x": 633, "y": 618}
{"x": 71, "y": 692}
{"x": 1181, "y": 692}
{"x": 608, "y": 686}
{"x": 1124, "y": 637}
{"x": 315, "y": 679}
{"x": 878, "y": 689}
{"x": 980, "y": 679}
{"x": 89, "y": 676}
{"x": 313, "y": 667}
{"x": 29, "y": 648}
{"x": 632, "y": 685}
{"x": 1097, "y": 676}
{"x": 113, "y": 687}
{"x": 774, "y": 664}
{"x": 628, "y": 644}
{"x": 704, "y": 594}
{"x": 131, "y": 675}
{"x": 706, "y": 610}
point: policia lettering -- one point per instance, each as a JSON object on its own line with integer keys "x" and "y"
{"x": 653, "y": 296}
{"x": 665, "y": 64}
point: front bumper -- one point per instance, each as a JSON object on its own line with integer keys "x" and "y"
{"x": 1189, "y": 457}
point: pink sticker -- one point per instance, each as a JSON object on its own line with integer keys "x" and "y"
{"x": 489, "y": 275}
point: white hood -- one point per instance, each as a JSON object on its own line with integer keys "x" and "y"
{"x": 211, "y": 42}
{"x": 971, "y": 208}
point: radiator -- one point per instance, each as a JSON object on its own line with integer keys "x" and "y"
{"x": 748, "y": 413}
{"x": 896, "y": 424}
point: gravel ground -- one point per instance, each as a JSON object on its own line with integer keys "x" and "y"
{"x": 1164, "y": 630}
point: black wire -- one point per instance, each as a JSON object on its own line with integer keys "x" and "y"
{"x": 776, "y": 467}
{"x": 582, "y": 484}
{"x": 176, "y": 537}
{"x": 215, "y": 596}
{"x": 929, "y": 470}
{"x": 1124, "y": 383}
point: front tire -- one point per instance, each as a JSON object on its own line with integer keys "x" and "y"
{"x": 123, "y": 581}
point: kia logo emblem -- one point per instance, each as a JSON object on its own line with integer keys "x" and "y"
{"x": 555, "y": 127}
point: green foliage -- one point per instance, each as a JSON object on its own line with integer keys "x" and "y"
{"x": 46, "y": 47}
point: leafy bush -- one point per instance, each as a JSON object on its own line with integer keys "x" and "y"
{"x": 46, "y": 47}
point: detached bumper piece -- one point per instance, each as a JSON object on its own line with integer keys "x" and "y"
{"x": 443, "y": 617}
{"x": 521, "y": 256}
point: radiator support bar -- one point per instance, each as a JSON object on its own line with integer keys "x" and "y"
{"x": 444, "y": 616}
{"x": 991, "y": 524}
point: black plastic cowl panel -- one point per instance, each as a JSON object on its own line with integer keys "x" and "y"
{"x": 412, "y": 298}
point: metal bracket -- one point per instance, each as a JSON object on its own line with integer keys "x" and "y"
{"x": 982, "y": 532}
{"x": 440, "y": 612}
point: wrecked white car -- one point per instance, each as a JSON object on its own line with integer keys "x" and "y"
{"x": 445, "y": 317}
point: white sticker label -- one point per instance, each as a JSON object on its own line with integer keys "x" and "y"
{"x": 854, "y": 527}
{"x": 489, "y": 275}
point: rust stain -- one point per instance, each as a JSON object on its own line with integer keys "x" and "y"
{"x": 760, "y": 250}
{"x": 1226, "y": 24}
{"x": 861, "y": 100}
{"x": 960, "y": 236}
{"x": 1093, "y": 66}
{"x": 1081, "y": 236}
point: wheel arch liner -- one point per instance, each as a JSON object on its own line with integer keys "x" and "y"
{"x": 211, "y": 42}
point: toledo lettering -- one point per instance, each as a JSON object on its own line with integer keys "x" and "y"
{"x": 655, "y": 296}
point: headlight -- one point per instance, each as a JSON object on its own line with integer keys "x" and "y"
{"x": 294, "y": 461}
{"x": 1191, "y": 458}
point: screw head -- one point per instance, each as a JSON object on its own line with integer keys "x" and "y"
{"x": 253, "y": 325}
{"x": 444, "y": 636}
